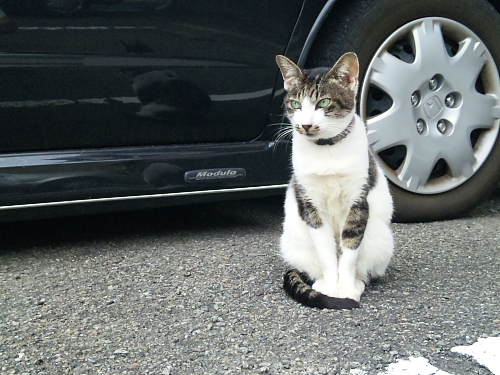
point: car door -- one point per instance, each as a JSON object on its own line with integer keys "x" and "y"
{"x": 112, "y": 73}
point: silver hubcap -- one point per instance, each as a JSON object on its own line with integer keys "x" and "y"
{"x": 431, "y": 102}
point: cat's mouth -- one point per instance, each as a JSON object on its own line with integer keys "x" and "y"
{"x": 308, "y": 130}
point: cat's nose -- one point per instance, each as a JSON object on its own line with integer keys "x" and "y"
{"x": 306, "y": 127}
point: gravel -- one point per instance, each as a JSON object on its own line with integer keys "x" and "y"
{"x": 197, "y": 290}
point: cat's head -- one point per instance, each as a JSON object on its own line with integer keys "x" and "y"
{"x": 320, "y": 102}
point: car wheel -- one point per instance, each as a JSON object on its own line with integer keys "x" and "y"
{"x": 429, "y": 95}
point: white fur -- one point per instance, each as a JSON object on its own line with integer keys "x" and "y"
{"x": 333, "y": 178}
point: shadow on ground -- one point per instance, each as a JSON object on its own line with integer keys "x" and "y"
{"x": 261, "y": 212}
{"x": 251, "y": 213}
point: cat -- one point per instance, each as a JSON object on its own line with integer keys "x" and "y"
{"x": 338, "y": 208}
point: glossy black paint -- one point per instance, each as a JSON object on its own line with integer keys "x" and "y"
{"x": 98, "y": 176}
{"x": 74, "y": 141}
{"x": 134, "y": 73}
{"x": 93, "y": 174}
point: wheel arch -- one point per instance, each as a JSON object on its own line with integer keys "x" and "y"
{"x": 313, "y": 33}
{"x": 326, "y": 16}
{"x": 495, "y": 4}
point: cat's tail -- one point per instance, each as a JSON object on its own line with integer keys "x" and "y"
{"x": 298, "y": 286}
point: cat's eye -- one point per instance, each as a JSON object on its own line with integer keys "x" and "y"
{"x": 324, "y": 103}
{"x": 295, "y": 104}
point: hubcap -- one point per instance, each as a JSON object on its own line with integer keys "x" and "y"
{"x": 430, "y": 99}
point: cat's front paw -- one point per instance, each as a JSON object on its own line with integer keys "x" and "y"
{"x": 352, "y": 292}
{"x": 325, "y": 288}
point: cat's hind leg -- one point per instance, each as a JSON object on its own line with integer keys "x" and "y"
{"x": 377, "y": 247}
{"x": 296, "y": 246}
{"x": 298, "y": 253}
{"x": 376, "y": 251}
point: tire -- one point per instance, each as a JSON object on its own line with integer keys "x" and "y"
{"x": 430, "y": 96}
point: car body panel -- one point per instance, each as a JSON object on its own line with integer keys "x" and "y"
{"x": 33, "y": 180}
{"x": 128, "y": 74}
{"x": 73, "y": 130}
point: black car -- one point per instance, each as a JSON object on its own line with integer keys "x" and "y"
{"x": 122, "y": 104}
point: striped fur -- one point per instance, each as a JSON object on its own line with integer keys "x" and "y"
{"x": 357, "y": 219}
{"x": 336, "y": 232}
{"x": 307, "y": 211}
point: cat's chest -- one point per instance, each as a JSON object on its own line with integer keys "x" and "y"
{"x": 334, "y": 195}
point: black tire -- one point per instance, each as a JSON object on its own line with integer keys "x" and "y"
{"x": 362, "y": 26}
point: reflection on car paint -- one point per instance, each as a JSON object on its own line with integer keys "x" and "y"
{"x": 88, "y": 69}
{"x": 62, "y": 28}
{"x": 126, "y": 100}
{"x": 78, "y": 129}
{"x": 163, "y": 96}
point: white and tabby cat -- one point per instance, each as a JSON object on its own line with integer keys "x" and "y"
{"x": 338, "y": 209}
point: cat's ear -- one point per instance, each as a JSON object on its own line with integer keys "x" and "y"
{"x": 292, "y": 74}
{"x": 345, "y": 71}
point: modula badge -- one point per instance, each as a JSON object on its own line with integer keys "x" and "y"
{"x": 214, "y": 174}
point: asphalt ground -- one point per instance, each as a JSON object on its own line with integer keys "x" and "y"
{"x": 197, "y": 290}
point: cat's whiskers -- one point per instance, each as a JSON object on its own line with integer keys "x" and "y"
{"x": 279, "y": 124}
{"x": 285, "y": 133}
